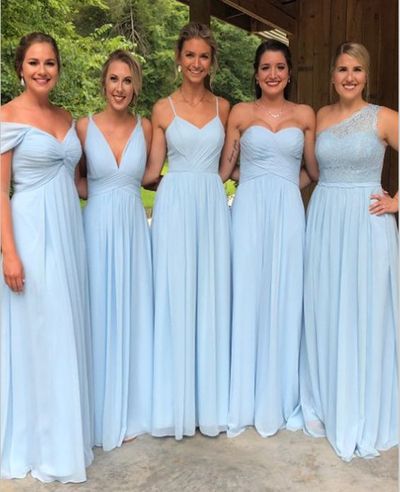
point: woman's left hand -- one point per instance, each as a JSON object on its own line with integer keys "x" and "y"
{"x": 383, "y": 204}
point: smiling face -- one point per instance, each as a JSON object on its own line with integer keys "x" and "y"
{"x": 273, "y": 73}
{"x": 118, "y": 87}
{"x": 40, "y": 68}
{"x": 195, "y": 59}
{"x": 349, "y": 77}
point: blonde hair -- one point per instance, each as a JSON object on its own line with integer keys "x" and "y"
{"x": 133, "y": 64}
{"x": 360, "y": 53}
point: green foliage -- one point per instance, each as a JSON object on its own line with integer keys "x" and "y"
{"x": 81, "y": 56}
{"x": 87, "y": 31}
{"x": 236, "y": 50}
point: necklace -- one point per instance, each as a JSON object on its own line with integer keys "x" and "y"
{"x": 270, "y": 113}
{"x": 190, "y": 102}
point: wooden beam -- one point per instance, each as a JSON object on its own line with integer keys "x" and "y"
{"x": 264, "y": 11}
{"x": 200, "y": 11}
{"x": 234, "y": 17}
{"x": 224, "y": 12}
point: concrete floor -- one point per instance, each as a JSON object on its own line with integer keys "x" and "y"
{"x": 289, "y": 462}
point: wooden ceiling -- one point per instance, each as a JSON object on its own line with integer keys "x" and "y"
{"x": 256, "y": 16}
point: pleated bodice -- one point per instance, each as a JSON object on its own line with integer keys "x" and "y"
{"x": 104, "y": 173}
{"x": 38, "y": 156}
{"x": 264, "y": 152}
{"x": 196, "y": 155}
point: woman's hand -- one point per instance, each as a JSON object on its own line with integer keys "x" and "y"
{"x": 384, "y": 204}
{"x": 13, "y": 271}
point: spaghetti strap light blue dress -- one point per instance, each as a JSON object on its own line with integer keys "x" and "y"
{"x": 268, "y": 230}
{"x": 349, "y": 382}
{"x": 121, "y": 294}
{"x": 191, "y": 258}
{"x": 46, "y": 419}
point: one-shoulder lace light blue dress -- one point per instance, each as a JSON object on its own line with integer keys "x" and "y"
{"x": 268, "y": 229}
{"x": 191, "y": 261}
{"x": 46, "y": 420}
{"x": 349, "y": 384}
{"x": 120, "y": 281}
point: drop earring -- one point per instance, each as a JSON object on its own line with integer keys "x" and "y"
{"x": 22, "y": 81}
{"x": 179, "y": 68}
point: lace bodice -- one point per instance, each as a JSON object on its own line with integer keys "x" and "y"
{"x": 351, "y": 151}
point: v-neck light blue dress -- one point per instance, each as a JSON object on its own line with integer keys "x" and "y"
{"x": 191, "y": 252}
{"x": 268, "y": 227}
{"x": 349, "y": 360}
{"x": 121, "y": 295}
{"x": 45, "y": 410}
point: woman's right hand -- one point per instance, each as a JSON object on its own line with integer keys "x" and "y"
{"x": 13, "y": 271}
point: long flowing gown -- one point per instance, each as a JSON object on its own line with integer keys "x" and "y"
{"x": 191, "y": 261}
{"x": 120, "y": 286}
{"x": 349, "y": 382}
{"x": 268, "y": 229}
{"x": 46, "y": 419}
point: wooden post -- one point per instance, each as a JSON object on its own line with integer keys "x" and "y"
{"x": 200, "y": 11}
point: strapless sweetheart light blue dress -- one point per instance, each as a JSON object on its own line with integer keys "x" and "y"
{"x": 46, "y": 419}
{"x": 121, "y": 294}
{"x": 267, "y": 247}
{"x": 191, "y": 258}
{"x": 349, "y": 382}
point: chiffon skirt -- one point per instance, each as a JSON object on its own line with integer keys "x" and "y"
{"x": 268, "y": 238}
{"x": 349, "y": 352}
{"x": 191, "y": 251}
{"x": 121, "y": 305}
{"x": 46, "y": 413}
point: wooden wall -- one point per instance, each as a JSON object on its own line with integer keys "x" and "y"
{"x": 322, "y": 25}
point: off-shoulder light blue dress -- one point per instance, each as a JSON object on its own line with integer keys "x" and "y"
{"x": 120, "y": 281}
{"x": 191, "y": 261}
{"x": 349, "y": 382}
{"x": 46, "y": 420}
{"x": 268, "y": 230}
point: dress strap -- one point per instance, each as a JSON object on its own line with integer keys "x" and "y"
{"x": 172, "y": 104}
{"x": 217, "y": 104}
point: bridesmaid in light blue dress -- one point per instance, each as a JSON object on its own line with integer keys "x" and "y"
{"x": 191, "y": 250}
{"x": 267, "y": 246}
{"x": 45, "y": 426}
{"x": 349, "y": 382}
{"x": 115, "y": 145}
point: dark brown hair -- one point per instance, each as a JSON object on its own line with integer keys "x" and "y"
{"x": 27, "y": 41}
{"x": 272, "y": 45}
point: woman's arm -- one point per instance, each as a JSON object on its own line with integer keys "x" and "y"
{"x": 81, "y": 170}
{"x": 13, "y": 269}
{"x": 231, "y": 148}
{"x": 309, "y": 145}
{"x": 147, "y": 131}
{"x": 158, "y": 150}
{"x": 388, "y": 130}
